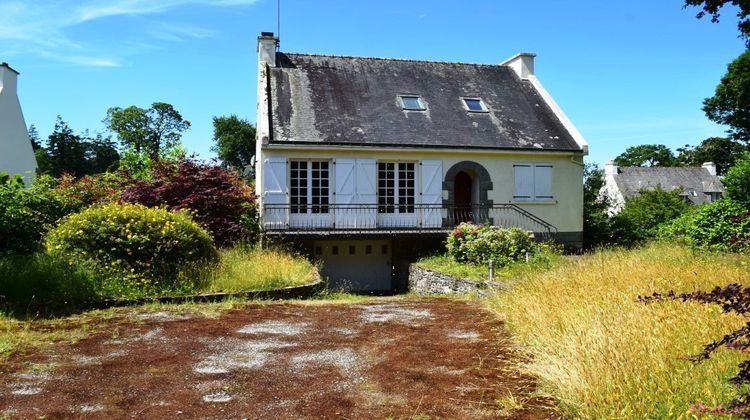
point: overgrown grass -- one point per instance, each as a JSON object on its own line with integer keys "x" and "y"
{"x": 545, "y": 258}
{"x": 245, "y": 268}
{"x": 605, "y": 355}
{"x": 30, "y": 283}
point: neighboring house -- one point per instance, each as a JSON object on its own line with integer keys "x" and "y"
{"x": 698, "y": 185}
{"x": 16, "y": 153}
{"x": 367, "y": 163}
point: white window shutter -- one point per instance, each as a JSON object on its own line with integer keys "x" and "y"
{"x": 543, "y": 182}
{"x": 345, "y": 187}
{"x": 366, "y": 173}
{"x": 523, "y": 181}
{"x": 274, "y": 192}
{"x": 432, "y": 192}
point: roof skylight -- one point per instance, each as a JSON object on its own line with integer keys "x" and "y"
{"x": 475, "y": 105}
{"x": 412, "y": 103}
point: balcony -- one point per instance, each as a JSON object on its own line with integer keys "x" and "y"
{"x": 413, "y": 218}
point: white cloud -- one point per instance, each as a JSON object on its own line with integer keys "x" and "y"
{"x": 42, "y": 27}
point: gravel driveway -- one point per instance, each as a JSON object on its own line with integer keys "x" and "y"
{"x": 394, "y": 357}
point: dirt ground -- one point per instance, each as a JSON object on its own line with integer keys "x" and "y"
{"x": 402, "y": 358}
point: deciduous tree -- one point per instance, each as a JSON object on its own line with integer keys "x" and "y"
{"x": 719, "y": 150}
{"x": 151, "y": 130}
{"x": 234, "y": 141}
{"x": 730, "y": 105}
{"x": 713, "y": 8}
{"x": 647, "y": 155}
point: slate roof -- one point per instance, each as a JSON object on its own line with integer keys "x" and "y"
{"x": 695, "y": 182}
{"x": 339, "y": 100}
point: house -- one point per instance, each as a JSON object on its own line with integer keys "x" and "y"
{"x": 698, "y": 185}
{"x": 16, "y": 153}
{"x": 366, "y": 163}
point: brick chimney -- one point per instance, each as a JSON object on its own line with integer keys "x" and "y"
{"x": 711, "y": 167}
{"x": 267, "y": 44}
{"x": 522, "y": 64}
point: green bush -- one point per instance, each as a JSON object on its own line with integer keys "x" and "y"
{"x": 723, "y": 225}
{"x": 30, "y": 284}
{"x": 737, "y": 180}
{"x": 130, "y": 241}
{"x": 478, "y": 245}
{"x": 27, "y": 214}
{"x": 642, "y": 215}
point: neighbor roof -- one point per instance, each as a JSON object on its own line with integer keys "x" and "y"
{"x": 354, "y": 101}
{"x": 630, "y": 180}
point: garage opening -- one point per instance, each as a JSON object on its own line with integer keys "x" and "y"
{"x": 356, "y": 265}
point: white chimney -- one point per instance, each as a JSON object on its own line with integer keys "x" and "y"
{"x": 711, "y": 167}
{"x": 267, "y": 44}
{"x": 610, "y": 168}
{"x": 8, "y": 79}
{"x": 16, "y": 153}
{"x": 522, "y": 64}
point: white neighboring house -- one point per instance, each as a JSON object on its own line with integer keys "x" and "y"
{"x": 367, "y": 163}
{"x": 16, "y": 153}
{"x": 699, "y": 185}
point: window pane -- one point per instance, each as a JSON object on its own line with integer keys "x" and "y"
{"x": 411, "y": 102}
{"x": 474, "y": 104}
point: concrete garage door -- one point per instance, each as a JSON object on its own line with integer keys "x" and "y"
{"x": 356, "y": 265}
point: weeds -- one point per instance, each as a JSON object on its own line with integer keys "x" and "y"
{"x": 603, "y": 354}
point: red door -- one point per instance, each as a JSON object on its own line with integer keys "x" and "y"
{"x": 462, "y": 197}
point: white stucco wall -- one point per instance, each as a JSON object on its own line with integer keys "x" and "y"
{"x": 16, "y": 153}
{"x": 564, "y": 211}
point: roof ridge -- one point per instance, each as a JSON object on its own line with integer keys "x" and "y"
{"x": 407, "y": 60}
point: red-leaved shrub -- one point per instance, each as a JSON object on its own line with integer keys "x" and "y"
{"x": 217, "y": 198}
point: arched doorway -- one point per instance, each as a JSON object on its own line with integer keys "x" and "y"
{"x": 462, "y": 189}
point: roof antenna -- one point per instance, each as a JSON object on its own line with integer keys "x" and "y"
{"x": 278, "y": 23}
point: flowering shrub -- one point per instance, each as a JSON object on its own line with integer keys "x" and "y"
{"x": 469, "y": 243}
{"x": 149, "y": 244}
{"x": 217, "y": 199}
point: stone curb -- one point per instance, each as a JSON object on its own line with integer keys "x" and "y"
{"x": 291, "y": 292}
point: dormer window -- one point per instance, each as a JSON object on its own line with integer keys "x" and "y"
{"x": 412, "y": 103}
{"x": 475, "y": 105}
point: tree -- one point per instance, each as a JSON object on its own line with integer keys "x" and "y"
{"x": 719, "y": 150}
{"x": 713, "y": 8}
{"x": 647, "y": 155}
{"x": 235, "y": 141}
{"x": 101, "y": 154}
{"x": 66, "y": 150}
{"x": 150, "y": 130}
{"x": 597, "y": 229}
{"x": 730, "y": 105}
{"x": 737, "y": 180}
{"x": 641, "y": 216}
{"x": 36, "y": 141}
{"x": 74, "y": 154}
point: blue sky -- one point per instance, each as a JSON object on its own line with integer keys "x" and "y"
{"x": 626, "y": 73}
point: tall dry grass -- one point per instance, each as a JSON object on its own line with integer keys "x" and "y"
{"x": 605, "y": 355}
{"x": 244, "y": 268}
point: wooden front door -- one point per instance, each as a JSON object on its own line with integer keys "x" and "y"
{"x": 462, "y": 197}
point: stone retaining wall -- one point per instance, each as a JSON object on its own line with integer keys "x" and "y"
{"x": 424, "y": 281}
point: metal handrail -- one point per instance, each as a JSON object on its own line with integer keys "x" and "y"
{"x": 373, "y": 217}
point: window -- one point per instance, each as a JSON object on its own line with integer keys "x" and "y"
{"x": 368, "y": 249}
{"x": 412, "y": 103}
{"x": 384, "y": 249}
{"x": 309, "y": 191}
{"x": 475, "y": 105}
{"x": 533, "y": 182}
{"x": 352, "y": 250}
{"x": 335, "y": 250}
{"x": 396, "y": 187}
